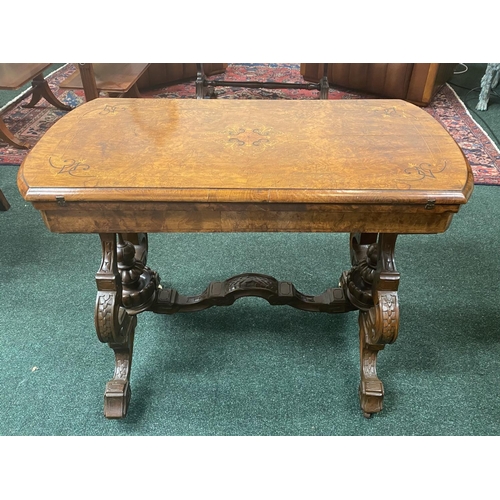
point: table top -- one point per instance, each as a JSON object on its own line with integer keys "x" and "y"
{"x": 222, "y": 150}
{"x": 15, "y": 75}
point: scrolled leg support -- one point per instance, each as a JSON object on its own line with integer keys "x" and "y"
{"x": 122, "y": 280}
{"x": 372, "y": 285}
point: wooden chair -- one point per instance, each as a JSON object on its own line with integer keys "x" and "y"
{"x": 14, "y": 76}
{"x": 115, "y": 79}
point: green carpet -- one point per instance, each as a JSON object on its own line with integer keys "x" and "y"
{"x": 251, "y": 369}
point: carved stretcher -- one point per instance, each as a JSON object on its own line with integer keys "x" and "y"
{"x": 125, "y": 168}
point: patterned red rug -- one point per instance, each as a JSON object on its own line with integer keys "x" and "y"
{"x": 446, "y": 107}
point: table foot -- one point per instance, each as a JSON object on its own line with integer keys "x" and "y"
{"x": 371, "y": 389}
{"x": 118, "y": 392}
{"x": 117, "y": 398}
{"x": 41, "y": 89}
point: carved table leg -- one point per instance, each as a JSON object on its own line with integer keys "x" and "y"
{"x": 125, "y": 287}
{"x": 372, "y": 286}
{"x": 115, "y": 327}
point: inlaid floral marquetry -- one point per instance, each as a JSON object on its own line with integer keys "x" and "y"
{"x": 247, "y": 137}
{"x": 71, "y": 167}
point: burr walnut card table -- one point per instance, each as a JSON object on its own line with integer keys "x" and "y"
{"x": 123, "y": 168}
